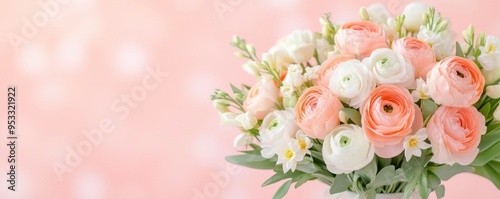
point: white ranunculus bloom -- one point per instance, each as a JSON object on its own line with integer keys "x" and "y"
{"x": 389, "y": 67}
{"x": 414, "y": 16}
{"x": 300, "y": 45}
{"x": 247, "y": 120}
{"x": 352, "y": 82}
{"x": 493, "y": 91}
{"x": 490, "y": 53}
{"x": 378, "y": 13}
{"x": 242, "y": 140}
{"x": 347, "y": 149}
{"x": 442, "y": 43}
{"x": 276, "y": 126}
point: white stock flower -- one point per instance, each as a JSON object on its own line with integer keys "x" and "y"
{"x": 493, "y": 91}
{"x": 287, "y": 90}
{"x": 242, "y": 140}
{"x": 289, "y": 154}
{"x": 422, "y": 91}
{"x": 378, "y": 13}
{"x": 246, "y": 120}
{"x": 221, "y": 106}
{"x": 294, "y": 76}
{"x": 323, "y": 47}
{"x": 312, "y": 73}
{"x": 389, "y": 67}
{"x": 347, "y": 149}
{"x": 414, "y": 144}
{"x": 442, "y": 43}
{"x": 300, "y": 45}
{"x": 414, "y": 16}
{"x": 490, "y": 53}
{"x": 276, "y": 126}
{"x": 352, "y": 82}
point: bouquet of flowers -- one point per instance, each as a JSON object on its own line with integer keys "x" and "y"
{"x": 385, "y": 104}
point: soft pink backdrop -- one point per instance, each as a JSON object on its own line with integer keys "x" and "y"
{"x": 91, "y": 52}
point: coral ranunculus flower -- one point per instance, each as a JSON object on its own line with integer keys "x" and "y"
{"x": 360, "y": 38}
{"x": 388, "y": 116}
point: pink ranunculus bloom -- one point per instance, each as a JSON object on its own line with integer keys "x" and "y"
{"x": 455, "y": 81}
{"x": 419, "y": 53}
{"x": 327, "y": 68}
{"x": 455, "y": 134}
{"x": 317, "y": 111}
{"x": 388, "y": 116}
{"x": 262, "y": 98}
{"x": 360, "y": 38}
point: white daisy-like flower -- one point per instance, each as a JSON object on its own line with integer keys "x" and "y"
{"x": 422, "y": 91}
{"x": 289, "y": 153}
{"x": 304, "y": 142}
{"x": 414, "y": 144}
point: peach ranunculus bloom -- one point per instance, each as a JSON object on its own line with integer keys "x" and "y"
{"x": 317, "y": 111}
{"x": 261, "y": 98}
{"x": 455, "y": 134}
{"x": 419, "y": 53}
{"x": 327, "y": 68}
{"x": 360, "y": 38}
{"x": 388, "y": 116}
{"x": 455, "y": 81}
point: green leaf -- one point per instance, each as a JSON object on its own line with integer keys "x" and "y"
{"x": 428, "y": 108}
{"x": 369, "y": 172}
{"x": 485, "y": 110}
{"x": 440, "y": 192}
{"x": 279, "y": 176}
{"x": 252, "y": 161}
{"x": 303, "y": 179}
{"x": 387, "y": 176}
{"x": 445, "y": 172}
{"x": 491, "y": 137}
{"x": 423, "y": 187}
{"x": 340, "y": 183}
{"x": 490, "y": 171}
{"x": 235, "y": 89}
{"x": 354, "y": 115}
{"x": 487, "y": 155}
{"x": 282, "y": 190}
{"x": 459, "y": 51}
{"x": 307, "y": 167}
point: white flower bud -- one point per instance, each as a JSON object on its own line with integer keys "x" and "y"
{"x": 496, "y": 114}
{"x": 246, "y": 120}
{"x": 221, "y": 106}
{"x": 242, "y": 140}
{"x": 414, "y": 16}
{"x": 343, "y": 117}
{"x": 229, "y": 119}
{"x": 493, "y": 91}
{"x": 251, "y": 68}
{"x": 363, "y": 14}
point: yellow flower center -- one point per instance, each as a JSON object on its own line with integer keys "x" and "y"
{"x": 302, "y": 144}
{"x": 422, "y": 95}
{"x": 413, "y": 142}
{"x": 491, "y": 48}
{"x": 289, "y": 154}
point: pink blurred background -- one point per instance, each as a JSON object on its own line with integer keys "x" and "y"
{"x": 81, "y": 61}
